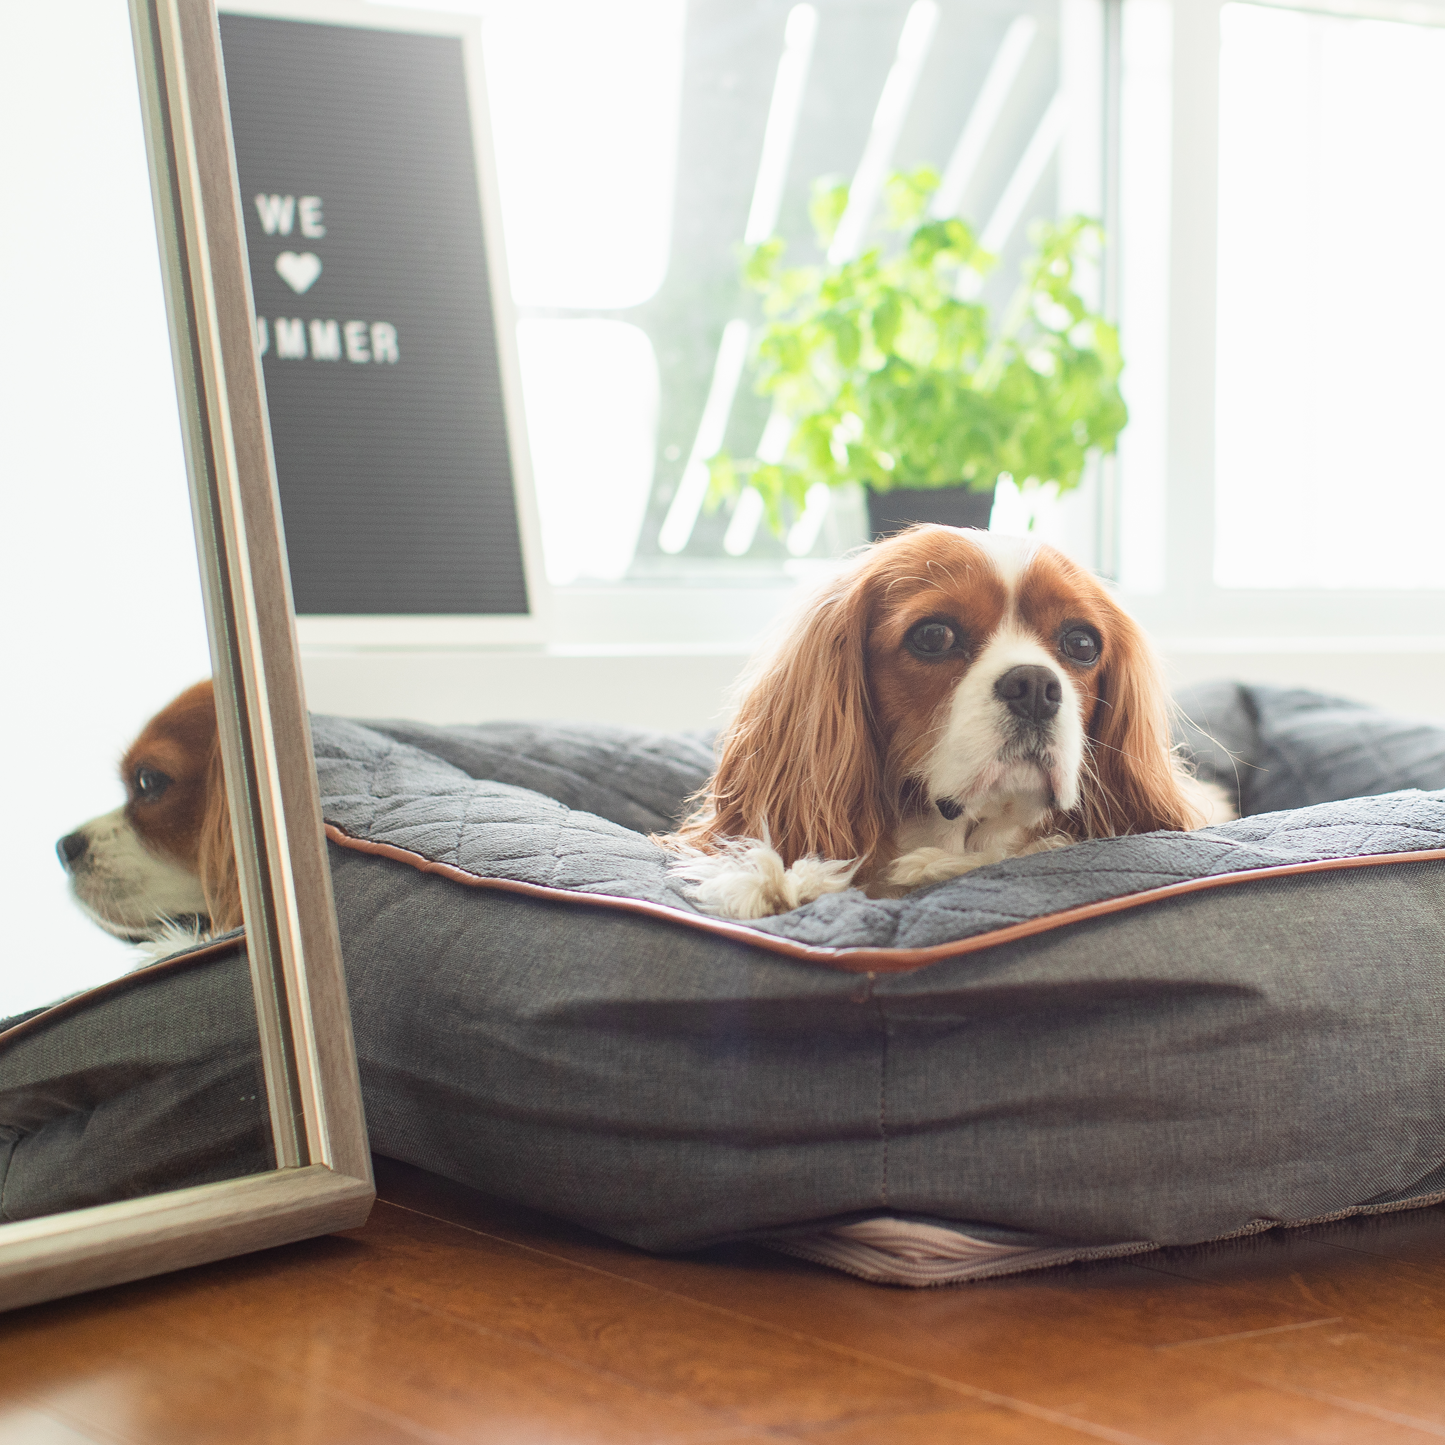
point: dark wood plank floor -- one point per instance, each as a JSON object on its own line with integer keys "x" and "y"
{"x": 450, "y": 1317}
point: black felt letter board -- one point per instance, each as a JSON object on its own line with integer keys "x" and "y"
{"x": 374, "y": 318}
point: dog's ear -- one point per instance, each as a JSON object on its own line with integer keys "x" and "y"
{"x": 799, "y": 765}
{"x": 216, "y": 855}
{"x": 1133, "y": 782}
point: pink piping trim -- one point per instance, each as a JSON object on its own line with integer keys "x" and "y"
{"x": 867, "y": 960}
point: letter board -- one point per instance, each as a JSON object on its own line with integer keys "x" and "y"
{"x": 395, "y": 452}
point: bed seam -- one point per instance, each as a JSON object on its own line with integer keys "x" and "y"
{"x": 882, "y": 1084}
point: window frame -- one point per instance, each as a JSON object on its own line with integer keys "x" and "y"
{"x": 1192, "y": 610}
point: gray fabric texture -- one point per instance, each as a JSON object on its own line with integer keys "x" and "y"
{"x": 638, "y": 780}
{"x": 1173, "y": 1073}
{"x": 152, "y": 1082}
{"x": 1272, "y": 747}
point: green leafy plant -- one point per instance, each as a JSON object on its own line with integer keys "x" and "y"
{"x": 889, "y": 372}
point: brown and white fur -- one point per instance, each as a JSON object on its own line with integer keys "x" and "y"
{"x": 864, "y": 753}
{"x": 166, "y": 858}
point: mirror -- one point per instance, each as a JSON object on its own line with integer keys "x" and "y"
{"x": 173, "y": 1087}
{"x": 99, "y": 556}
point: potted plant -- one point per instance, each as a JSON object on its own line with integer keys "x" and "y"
{"x": 890, "y": 375}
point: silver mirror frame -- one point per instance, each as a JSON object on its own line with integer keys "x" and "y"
{"x": 323, "y": 1180}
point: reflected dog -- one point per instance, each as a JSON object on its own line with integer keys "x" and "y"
{"x": 164, "y": 863}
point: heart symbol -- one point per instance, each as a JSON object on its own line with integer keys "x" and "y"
{"x": 298, "y": 272}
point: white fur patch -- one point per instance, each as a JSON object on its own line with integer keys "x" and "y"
{"x": 172, "y": 938}
{"x": 933, "y": 865}
{"x": 124, "y": 887}
{"x": 748, "y": 879}
{"x": 1010, "y": 556}
{"x": 1210, "y": 801}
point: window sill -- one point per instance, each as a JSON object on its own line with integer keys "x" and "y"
{"x": 682, "y": 684}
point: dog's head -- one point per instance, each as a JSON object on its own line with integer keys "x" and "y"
{"x": 165, "y": 857}
{"x": 955, "y": 670}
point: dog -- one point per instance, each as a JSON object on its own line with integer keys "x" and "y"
{"x": 165, "y": 863}
{"x": 956, "y": 697}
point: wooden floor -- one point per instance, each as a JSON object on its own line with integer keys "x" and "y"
{"x": 452, "y": 1318}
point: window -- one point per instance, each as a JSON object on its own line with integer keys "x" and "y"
{"x": 641, "y": 145}
{"x": 1267, "y": 179}
{"x": 1331, "y": 373}
{"x": 1278, "y": 207}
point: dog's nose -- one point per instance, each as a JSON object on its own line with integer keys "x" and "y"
{"x": 71, "y": 849}
{"x": 1032, "y": 693}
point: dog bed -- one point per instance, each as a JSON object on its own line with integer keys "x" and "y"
{"x": 1124, "y": 1044}
{"x": 1130, "y": 1042}
{"x": 152, "y": 1081}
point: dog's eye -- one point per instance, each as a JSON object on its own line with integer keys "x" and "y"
{"x": 150, "y": 783}
{"x": 1080, "y": 644}
{"x": 931, "y": 639}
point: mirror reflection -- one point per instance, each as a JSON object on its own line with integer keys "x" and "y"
{"x": 99, "y": 556}
{"x": 118, "y": 847}
{"x": 161, "y": 868}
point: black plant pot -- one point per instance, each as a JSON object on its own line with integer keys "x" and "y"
{"x": 890, "y": 512}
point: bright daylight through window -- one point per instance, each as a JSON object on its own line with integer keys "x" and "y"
{"x": 1330, "y": 312}
{"x": 641, "y": 148}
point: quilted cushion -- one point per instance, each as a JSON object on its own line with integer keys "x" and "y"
{"x": 1273, "y": 748}
{"x": 1129, "y": 1042}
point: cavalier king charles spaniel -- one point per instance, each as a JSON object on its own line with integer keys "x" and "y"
{"x": 164, "y": 864}
{"x": 955, "y": 698}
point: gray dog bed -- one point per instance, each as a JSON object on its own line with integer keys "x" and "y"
{"x": 1126, "y": 1043}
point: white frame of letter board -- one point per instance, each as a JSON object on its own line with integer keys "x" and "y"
{"x": 446, "y": 630}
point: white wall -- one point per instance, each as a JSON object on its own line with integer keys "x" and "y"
{"x": 670, "y": 689}
{"x": 666, "y": 657}
{"x": 98, "y": 579}
{"x": 677, "y": 687}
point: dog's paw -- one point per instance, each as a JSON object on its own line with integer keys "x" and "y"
{"x": 932, "y": 865}
{"x": 749, "y": 880}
